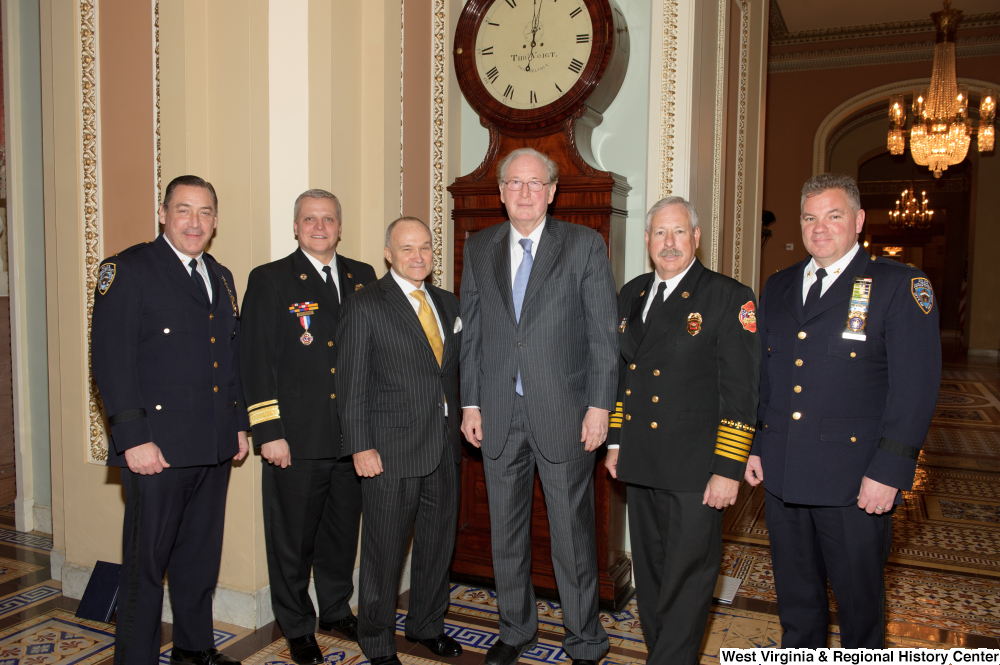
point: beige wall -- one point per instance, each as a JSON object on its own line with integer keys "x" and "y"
{"x": 983, "y": 319}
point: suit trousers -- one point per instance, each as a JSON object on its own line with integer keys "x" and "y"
{"x": 676, "y": 553}
{"x": 312, "y": 514}
{"x": 427, "y": 506}
{"x": 173, "y": 522}
{"x": 843, "y": 543}
{"x": 569, "y": 500}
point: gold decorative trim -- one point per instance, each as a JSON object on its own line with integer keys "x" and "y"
{"x": 741, "y": 134}
{"x": 780, "y": 36}
{"x": 438, "y": 76}
{"x": 156, "y": 108}
{"x": 717, "y": 169}
{"x": 668, "y": 96}
{"x": 883, "y": 54}
{"x": 97, "y": 450}
{"x": 264, "y": 415}
{"x": 402, "y": 61}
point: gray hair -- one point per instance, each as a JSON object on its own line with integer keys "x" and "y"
{"x": 673, "y": 201}
{"x": 551, "y": 168}
{"x": 392, "y": 227}
{"x": 317, "y": 194}
{"x": 826, "y": 181}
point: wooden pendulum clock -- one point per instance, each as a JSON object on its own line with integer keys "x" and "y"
{"x": 540, "y": 73}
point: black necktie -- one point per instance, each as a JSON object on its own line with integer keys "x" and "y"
{"x": 657, "y": 302}
{"x": 199, "y": 282}
{"x": 332, "y": 285}
{"x": 815, "y": 290}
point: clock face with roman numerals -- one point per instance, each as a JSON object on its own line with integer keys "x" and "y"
{"x": 529, "y": 53}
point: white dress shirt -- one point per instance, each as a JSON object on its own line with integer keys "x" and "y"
{"x": 408, "y": 288}
{"x": 333, "y": 270}
{"x": 671, "y": 285}
{"x": 832, "y": 272}
{"x": 186, "y": 260}
{"x": 517, "y": 252}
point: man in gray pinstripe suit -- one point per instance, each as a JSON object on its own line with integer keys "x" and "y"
{"x": 397, "y": 376}
{"x": 539, "y": 374}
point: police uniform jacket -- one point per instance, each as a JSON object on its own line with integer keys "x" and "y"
{"x": 687, "y": 387}
{"x": 289, "y": 384}
{"x": 167, "y": 367}
{"x": 392, "y": 389}
{"x": 834, "y": 410}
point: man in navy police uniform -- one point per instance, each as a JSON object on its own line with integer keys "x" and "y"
{"x": 850, "y": 376}
{"x": 165, "y": 356}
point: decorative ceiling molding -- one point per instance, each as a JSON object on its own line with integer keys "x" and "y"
{"x": 933, "y": 186}
{"x": 780, "y": 36}
{"x": 889, "y": 54}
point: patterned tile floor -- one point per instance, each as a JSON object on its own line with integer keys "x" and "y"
{"x": 943, "y": 581}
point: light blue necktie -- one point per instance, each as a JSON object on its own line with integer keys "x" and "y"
{"x": 520, "y": 286}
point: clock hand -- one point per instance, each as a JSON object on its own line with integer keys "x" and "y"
{"x": 536, "y": 5}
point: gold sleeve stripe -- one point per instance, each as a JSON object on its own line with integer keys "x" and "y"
{"x": 736, "y": 433}
{"x": 728, "y": 438}
{"x": 260, "y": 405}
{"x": 615, "y": 419}
{"x": 732, "y": 451}
{"x": 735, "y": 446}
{"x": 265, "y": 414}
{"x": 738, "y": 458}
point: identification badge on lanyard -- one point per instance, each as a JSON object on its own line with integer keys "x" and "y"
{"x": 857, "y": 313}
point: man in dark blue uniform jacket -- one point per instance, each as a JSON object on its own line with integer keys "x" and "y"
{"x": 850, "y": 377}
{"x": 165, "y": 356}
{"x": 312, "y": 497}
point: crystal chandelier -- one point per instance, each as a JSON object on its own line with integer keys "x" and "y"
{"x": 910, "y": 213}
{"x": 942, "y": 130}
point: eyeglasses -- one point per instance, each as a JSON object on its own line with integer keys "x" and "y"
{"x": 533, "y": 185}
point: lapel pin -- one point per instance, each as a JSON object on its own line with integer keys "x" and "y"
{"x": 302, "y": 276}
{"x": 685, "y": 295}
{"x": 642, "y": 294}
{"x": 621, "y": 328}
{"x": 350, "y": 276}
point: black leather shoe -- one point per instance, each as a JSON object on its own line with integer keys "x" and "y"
{"x": 204, "y": 657}
{"x": 385, "y": 660}
{"x": 502, "y": 653}
{"x": 305, "y": 650}
{"x": 442, "y": 645}
{"x": 346, "y": 626}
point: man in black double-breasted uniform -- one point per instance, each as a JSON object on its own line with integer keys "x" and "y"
{"x": 165, "y": 355}
{"x": 850, "y": 377}
{"x": 682, "y": 429}
{"x": 311, "y": 495}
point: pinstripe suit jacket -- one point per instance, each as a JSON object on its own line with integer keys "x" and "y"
{"x": 389, "y": 384}
{"x": 565, "y": 344}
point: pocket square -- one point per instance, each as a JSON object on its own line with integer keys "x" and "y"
{"x": 458, "y": 325}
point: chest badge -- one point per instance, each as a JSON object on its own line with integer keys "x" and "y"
{"x": 748, "y": 317}
{"x": 303, "y": 311}
{"x": 694, "y": 323}
{"x": 857, "y": 313}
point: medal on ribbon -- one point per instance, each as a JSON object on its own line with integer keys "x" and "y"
{"x": 857, "y": 313}
{"x": 303, "y": 311}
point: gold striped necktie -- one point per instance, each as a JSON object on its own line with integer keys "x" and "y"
{"x": 429, "y": 324}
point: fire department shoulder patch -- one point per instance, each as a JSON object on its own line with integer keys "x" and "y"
{"x": 748, "y": 317}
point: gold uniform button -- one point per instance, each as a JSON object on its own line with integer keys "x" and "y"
{"x": 796, "y": 415}
{"x": 653, "y": 425}
{"x": 632, "y": 366}
{"x": 166, "y": 331}
{"x": 215, "y": 365}
{"x": 802, "y": 335}
{"x": 215, "y": 389}
{"x": 159, "y": 408}
{"x": 655, "y": 399}
{"x": 333, "y": 395}
{"x": 656, "y": 372}
{"x": 797, "y": 389}
{"x": 798, "y": 363}
{"x": 213, "y": 340}
{"x": 853, "y": 439}
{"x": 628, "y": 391}
{"x": 628, "y": 416}
{"x": 853, "y": 354}
{"x": 211, "y": 316}
{"x": 329, "y": 343}
{"x": 333, "y": 370}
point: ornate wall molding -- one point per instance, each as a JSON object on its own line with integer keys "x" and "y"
{"x": 739, "y": 209}
{"x": 97, "y": 451}
{"x": 668, "y": 97}
{"x": 986, "y": 45}
{"x": 718, "y": 169}
{"x": 157, "y": 154}
{"x": 402, "y": 65}
{"x": 439, "y": 61}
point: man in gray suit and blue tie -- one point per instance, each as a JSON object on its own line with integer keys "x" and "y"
{"x": 539, "y": 373}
